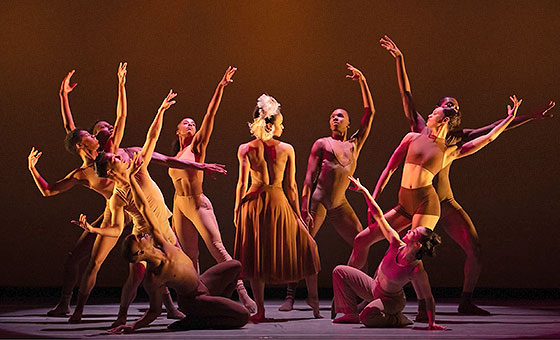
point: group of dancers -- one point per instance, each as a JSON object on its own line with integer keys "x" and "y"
{"x": 274, "y": 240}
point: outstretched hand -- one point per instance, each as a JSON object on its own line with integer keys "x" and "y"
{"x": 512, "y": 111}
{"x": 66, "y": 87}
{"x": 121, "y": 73}
{"x": 544, "y": 113}
{"x": 33, "y": 157}
{"x": 226, "y": 79}
{"x": 168, "y": 101}
{"x": 212, "y": 169}
{"x": 135, "y": 164}
{"x": 122, "y": 329}
{"x": 83, "y": 223}
{"x": 390, "y": 46}
{"x": 356, "y": 74}
{"x": 356, "y": 185}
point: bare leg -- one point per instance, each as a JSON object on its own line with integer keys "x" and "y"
{"x": 76, "y": 256}
{"x": 101, "y": 249}
{"x": 312, "y": 295}
{"x": 365, "y": 239}
{"x": 136, "y": 273}
{"x": 257, "y": 285}
{"x": 458, "y": 225}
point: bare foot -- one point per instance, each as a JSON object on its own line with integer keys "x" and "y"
{"x": 121, "y": 320}
{"x": 76, "y": 317}
{"x": 249, "y": 304}
{"x": 257, "y": 318}
{"x": 288, "y": 304}
{"x": 175, "y": 314}
{"x": 61, "y": 309}
{"x": 314, "y": 304}
{"x": 347, "y": 318}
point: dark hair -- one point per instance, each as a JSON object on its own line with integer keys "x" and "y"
{"x": 126, "y": 248}
{"x": 93, "y": 126}
{"x": 101, "y": 162}
{"x": 72, "y": 138}
{"x": 451, "y": 111}
{"x": 429, "y": 241}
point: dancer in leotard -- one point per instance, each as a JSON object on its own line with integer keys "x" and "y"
{"x": 271, "y": 240}
{"x": 193, "y": 213}
{"x": 331, "y": 161}
{"x": 401, "y": 264}
{"x": 454, "y": 219}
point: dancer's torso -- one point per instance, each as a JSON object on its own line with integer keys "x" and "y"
{"x": 188, "y": 182}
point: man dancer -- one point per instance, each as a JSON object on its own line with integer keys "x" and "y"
{"x": 331, "y": 161}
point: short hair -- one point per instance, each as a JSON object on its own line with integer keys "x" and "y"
{"x": 451, "y": 111}
{"x": 72, "y": 138}
{"x": 92, "y": 129}
{"x": 126, "y": 248}
{"x": 429, "y": 241}
{"x": 101, "y": 162}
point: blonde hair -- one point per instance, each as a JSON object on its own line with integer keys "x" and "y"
{"x": 265, "y": 114}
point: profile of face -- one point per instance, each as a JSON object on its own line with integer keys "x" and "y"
{"x": 103, "y": 130}
{"x": 140, "y": 244}
{"x": 87, "y": 141}
{"x": 339, "y": 120}
{"x": 414, "y": 236}
{"x": 278, "y": 125}
{"x": 186, "y": 127}
{"x": 437, "y": 118}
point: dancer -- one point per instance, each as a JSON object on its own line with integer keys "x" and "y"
{"x": 454, "y": 219}
{"x": 193, "y": 213}
{"x": 121, "y": 201}
{"x": 205, "y": 299}
{"x": 401, "y": 264}
{"x": 331, "y": 161}
{"x": 271, "y": 240}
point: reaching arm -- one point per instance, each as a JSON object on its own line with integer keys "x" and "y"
{"x": 392, "y": 165}
{"x": 480, "y": 142}
{"x": 422, "y": 286}
{"x": 155, "y": 129}
{"x": 243, "y": 179}
{"x": 114, "y": 229}
{"x": 470, "y": 134}
{"x": 375, "y": 211}
{"x": 369, "y": 109}
{"x": 290, "y": 181}
{"x": 66, "y": 88}
{"x": 417, "y": 123}
{"x": 120, "y": 122}
{"x": 45, "y": 187}
{"x": 202, "y": 136}
{"x": 313, "y": 169}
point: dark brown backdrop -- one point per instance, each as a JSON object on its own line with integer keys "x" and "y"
{"x": 481, "y": 52}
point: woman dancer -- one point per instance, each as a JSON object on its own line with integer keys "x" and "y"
{"x": 426, "y": 154}
{"x": 193, "y": 213}
{"x": 401, "y": 264}
{"x": 454, "y": 219}
{"x": 271, "y": 240}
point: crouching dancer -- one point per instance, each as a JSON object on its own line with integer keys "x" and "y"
{"x": 205, "y": 299}
{"x": 401, "y": 264}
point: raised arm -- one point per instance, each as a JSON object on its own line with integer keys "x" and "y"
{"x": 369, "y": 109}
{"x": 470, "y": 134}
{"x": 375, "y": 211}
{"x": 480, "y": 142}
{"x": 202, "y": 137}
{"x": 65, "y": 88}
{"x": 243, "y": 180}
{"x": 419, "y": 277}
{"x": 155, "y": 129}
{"x": 120, "y": 122}
{"x": 45, "y": 187}
{"x": 290, "y": 184}
{"x": 417, "y": 123}
{"x": 313, "y": 170}
{"x": 392, "y": 165}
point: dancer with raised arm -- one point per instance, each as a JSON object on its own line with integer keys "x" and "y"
{"x": 193, "y": 213}
{"x": 454, "y": 219}
{"x": 384, "y": 293}
{"x": 331, "y": 161}
{"x": 271, "y": 240}
{"x": 205, "y": 299}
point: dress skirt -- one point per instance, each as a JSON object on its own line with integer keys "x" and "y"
{"x": 271, "y": 242}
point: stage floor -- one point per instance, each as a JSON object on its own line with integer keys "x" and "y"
{"x": 511, "y": 319}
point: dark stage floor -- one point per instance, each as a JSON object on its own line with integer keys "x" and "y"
{"x": 511, "y": 319}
